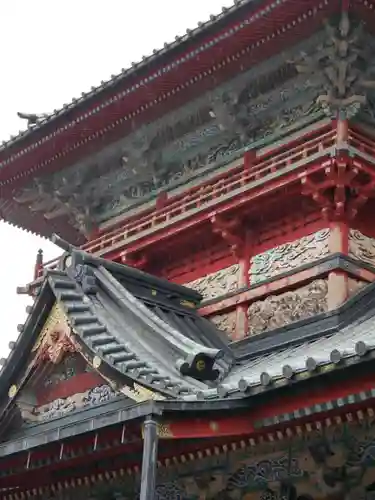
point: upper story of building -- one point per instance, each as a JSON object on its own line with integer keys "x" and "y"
{"x": 185, "y": 115}
{"x": 210, "y": 162}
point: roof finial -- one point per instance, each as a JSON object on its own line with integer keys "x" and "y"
{"x": 38, "y": 264}
{"x": 32, "y": 119}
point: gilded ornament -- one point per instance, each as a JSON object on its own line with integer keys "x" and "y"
{"x": 164, "y": 431}
{"x": 55, "y": 347}
{"x": 187, "y": 303}
{"x": 361, "y": 247}
{"x": 96, "y": 362}
{"x": 12, "y": 391}
{"x": 56, "y": 319}
{"x": 200, "y": 365}
{"x": 140, "y": 393}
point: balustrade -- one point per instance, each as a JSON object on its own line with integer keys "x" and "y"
{"x": 210, "y": 193}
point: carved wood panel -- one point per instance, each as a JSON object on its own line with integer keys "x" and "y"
{"x": 225, "y": 322}
{"x": 289, "y": 256}
{"x": 361, "y": 247}
{"x": 216, "y": 284}
{"x": 283, "y": 309}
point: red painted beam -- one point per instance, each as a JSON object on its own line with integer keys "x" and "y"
{"x": 74, "y": 385}
{"x": 242, "y": 201}
{"x": 138, "y": 108}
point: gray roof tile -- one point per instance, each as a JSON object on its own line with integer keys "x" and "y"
{"x": 157, "y": 341}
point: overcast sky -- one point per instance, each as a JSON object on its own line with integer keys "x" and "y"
{"x": 51, "y": 51}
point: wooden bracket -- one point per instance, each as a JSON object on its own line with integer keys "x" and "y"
{"x": 230, "y": 231}
{"x": 339, "y": 194}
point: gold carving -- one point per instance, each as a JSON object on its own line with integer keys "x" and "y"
{"x": 140, "y": 393}
{"x": 56, "y": 320}
{"x": 96, "y": 362}
{"x": 225, "y": 322}
{"x": 289, "y": 256}
{"x": 12, "y": 391}
{"x": 55, "y": 346}
{"x": 187, "y": 303}
{"x": 361, "y": 247}
{"x": 355, "y": 285}
{"x": 280, "y": 310}
{"x": 164, "y": 431}
{"x": 216, "y": 284}
{"x": 200, "y": 365}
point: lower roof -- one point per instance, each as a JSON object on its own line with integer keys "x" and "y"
{"x": 149, "y": 331}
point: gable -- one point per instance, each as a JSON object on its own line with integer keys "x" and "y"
{"x": 58, "y": 379}
{"x": 60, "y": 376}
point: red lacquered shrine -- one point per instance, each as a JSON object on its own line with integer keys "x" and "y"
{"x": 209, "y": 330}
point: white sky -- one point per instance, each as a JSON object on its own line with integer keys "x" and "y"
{"x": 51, "y": 52}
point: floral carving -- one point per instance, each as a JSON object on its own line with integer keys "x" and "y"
{"x": 62, "y": 406}
{"x": 361, "y": 247}
{"x": 225, "y": 322}
{"x": 55, "y": 347}
{"x": 216, "y": 284}
{"x": 99, "y": 394}
{"x": 55, "y": 321}
{"x": 280, "y": 310}
{"x": 289, "y": 256}
{"x": 355, "y": 285}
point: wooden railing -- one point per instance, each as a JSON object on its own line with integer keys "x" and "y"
{"x": 361, "y": 142}
{"x": 212, "y": 192}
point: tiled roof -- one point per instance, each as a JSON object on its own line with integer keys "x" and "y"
{"x": 157, "y": 54}
{"x": 146, "y": 329}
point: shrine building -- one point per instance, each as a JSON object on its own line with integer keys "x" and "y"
{"x": 208, "y": 332}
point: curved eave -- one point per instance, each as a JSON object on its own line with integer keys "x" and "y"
{"x": 133, "y": 337}
{"x": 15, "y": 363}
{"x": 170, "y": 76}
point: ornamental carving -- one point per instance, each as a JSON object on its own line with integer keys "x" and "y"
{"x": 289, "y": 256}
{"x": 70, "y": 366}
{"x": 139, "y": 393}
{"x": 354, "y": 286}
{"x": 259, "y": 474}
{"x": 280, "y": 310}
{"x": 56, "y": 321}
{"x": 217, "y": 284}
{"x": 361, "y": 247}
{"x": 55, "y": 347}
{"x": 62, "y": 406}
{"x": 345, "y": 60}
{"x": 225, "y": 322}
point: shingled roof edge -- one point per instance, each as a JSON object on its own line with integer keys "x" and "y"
{"x": 202, "y": 29}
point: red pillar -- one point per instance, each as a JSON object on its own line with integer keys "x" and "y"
{"x": 242, "y": 321}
